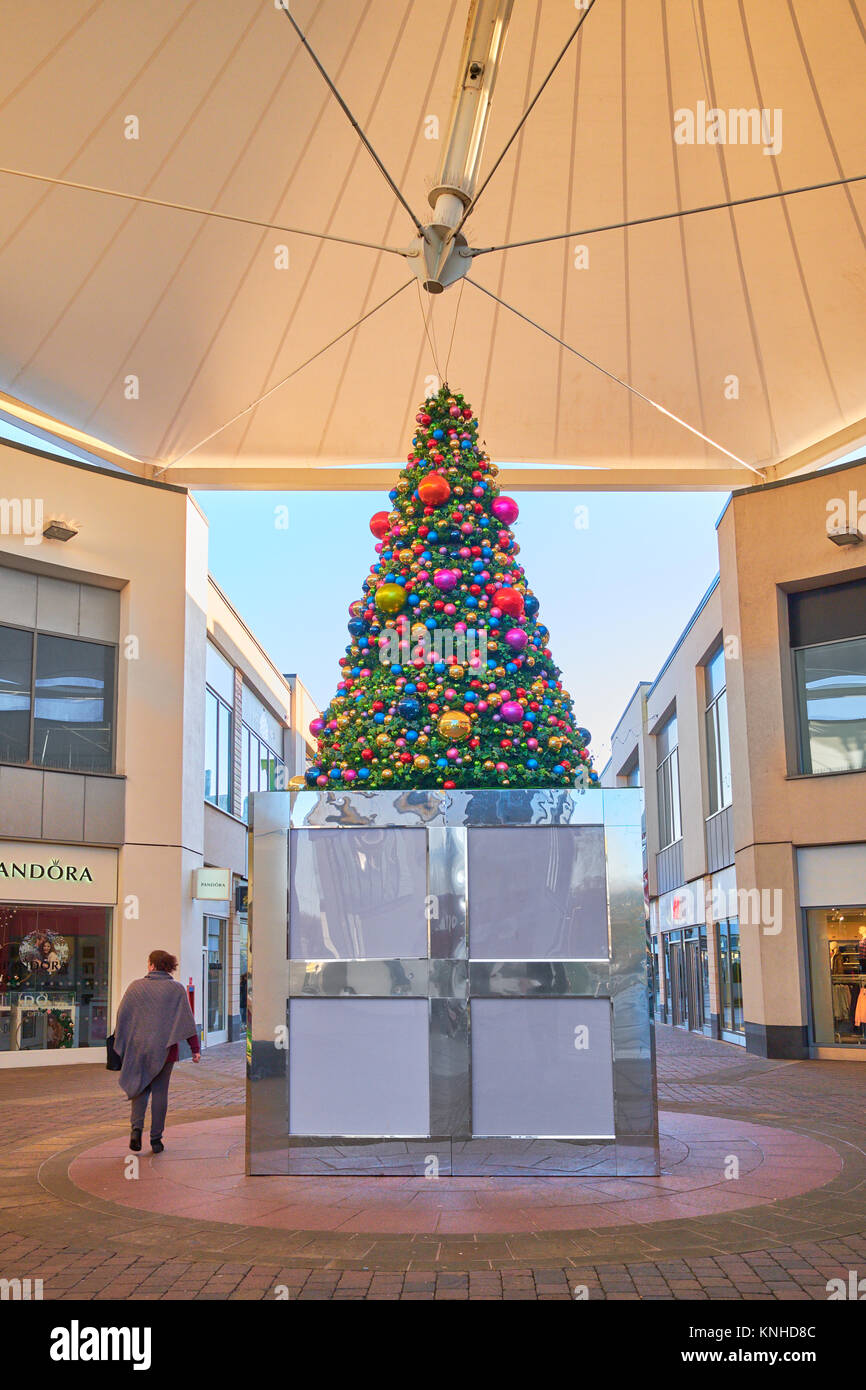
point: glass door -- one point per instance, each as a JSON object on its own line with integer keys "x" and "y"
{"x": 215, "y": 934}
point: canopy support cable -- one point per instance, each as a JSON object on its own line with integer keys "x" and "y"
{"x": 344, "y": 108}
{"x": 667, "y": 216}
{"x": 201, "y": 212}
{"x": 648, "y": 400}
{"x": 163, "y": 468}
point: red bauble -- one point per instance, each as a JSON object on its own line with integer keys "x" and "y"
{"x": 509, "y": 601}
{"x": 380, "y": 525}
{"x": 434, "y": 490}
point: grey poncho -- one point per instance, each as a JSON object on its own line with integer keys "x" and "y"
{"x": 153, "y": 1014}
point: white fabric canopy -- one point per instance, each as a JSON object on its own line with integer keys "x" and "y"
{"x": 149, "y": 328}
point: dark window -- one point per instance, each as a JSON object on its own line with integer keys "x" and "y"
{"x": 71, "y": 697}
{"x": 668, "y": 783}
{"x": 218, "y": 762}
{"x": 16, "y": 676}
{"x": 828, "y": 637}
{"x": 718, "y": 746}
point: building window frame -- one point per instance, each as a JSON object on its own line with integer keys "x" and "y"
{"x": 718, "y": 751}
{"x": 110, "y": 647}
{"x": 804, "y": 741}
{"x": 224, "y": 715}
{"x": 668, "y": 785}
{"x": 276, "y": 782}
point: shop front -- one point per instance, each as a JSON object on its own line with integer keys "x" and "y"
{"x": 56, "y": 908}
{"x": 685, "y": 959}
{"x": 832, "y": 883}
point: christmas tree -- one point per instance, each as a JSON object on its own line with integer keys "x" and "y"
{"x": 448, "y": 679}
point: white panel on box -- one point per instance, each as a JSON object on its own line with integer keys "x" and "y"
{"x": 538, "y": 893}
{"x": 542, "y": 1067}
{"x": 359, "y": 1067}
{"x": 358, "y": 894}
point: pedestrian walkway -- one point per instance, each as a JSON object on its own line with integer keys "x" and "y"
{"x": 762, "y": 1195}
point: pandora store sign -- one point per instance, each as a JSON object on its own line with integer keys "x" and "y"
{"x": 41, "y": 873}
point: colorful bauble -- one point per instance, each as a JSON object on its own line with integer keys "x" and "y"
{"x": 511, "y": 712}
{"x": 296, "y": 783}
{"x": 509, "y": 601}
{"x": 380, "y": 525}
{"x": 516, "y": 638}
{"x": 446, "y": 580}
{"x": 316, "y": 726}
{"x": 434, "y": 490}
{"x": 505, "y": 509}
{"x": 455, "y": 725}
{"x": 390, "y": 598}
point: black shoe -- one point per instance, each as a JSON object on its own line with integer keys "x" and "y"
{"x": 156, "y": 1146}
{"x": 135, "y": 1140}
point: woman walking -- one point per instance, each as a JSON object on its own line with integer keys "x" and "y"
{"x": 154, "y": 1016}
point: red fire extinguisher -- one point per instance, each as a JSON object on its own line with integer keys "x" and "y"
{"x": 190, "y": 989}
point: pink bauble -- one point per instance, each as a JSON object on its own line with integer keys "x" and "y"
{"x": 511, "y": 712}
{"x": 516, "y": 639}
{"x": 316, "y": 726}
{"x": 445, "y": 580}
{"x": 505, "y": 509}
{"x": 349, "y": 774}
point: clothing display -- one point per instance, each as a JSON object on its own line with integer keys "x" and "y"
{"x": 848, "y": 989}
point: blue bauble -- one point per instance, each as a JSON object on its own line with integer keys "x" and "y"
{"x": 532, "y": 763}
{"x": 311, "y": 774}
{"x": 408, "y": 708}
{"x": 335, "y": 774}
{"x": 530, "y": 605}
{"x": 585, "y": 735}
{"x": 357, "y": 627}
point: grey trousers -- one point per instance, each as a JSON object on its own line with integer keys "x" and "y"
{"x": 158, "y": 1092}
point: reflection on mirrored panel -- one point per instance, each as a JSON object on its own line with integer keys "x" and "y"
{"x": 358, "y": 894}
{"x": 359, "y": 1067}
{"x": 542, "y": 1067}
{"x": 537, "y": 893}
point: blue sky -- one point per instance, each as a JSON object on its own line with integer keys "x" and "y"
{"x": 615, "y": 595}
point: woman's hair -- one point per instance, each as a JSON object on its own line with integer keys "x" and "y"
{"x": 162, "y": 960}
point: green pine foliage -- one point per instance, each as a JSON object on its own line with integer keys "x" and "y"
{"x": 448, "y": 679}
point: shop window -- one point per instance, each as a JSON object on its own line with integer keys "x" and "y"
{"x": 262, "y": 770}
{"x": 837, "y": 970}
{"x": 668, "y": 783}
{"x": 828, "y": 639}
{"x": 53, "y": 977}
{"x": 730, "y": 976}
{"x": 218, "y": 741}
{"x": 718, "y": 745}
{"x": 57, "y": 701}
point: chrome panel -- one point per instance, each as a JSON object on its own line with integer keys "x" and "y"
{"x": 375, "y": 979}
{"x": 552, "y": 978}
{"x": 450, "y": 980}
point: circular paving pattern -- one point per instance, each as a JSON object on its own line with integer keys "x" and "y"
{"x": 710, "y": 1166}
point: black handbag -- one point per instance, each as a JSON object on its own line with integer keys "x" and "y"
{"x": 113, "y": 1060}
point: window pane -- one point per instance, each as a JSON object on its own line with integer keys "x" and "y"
{"x": 664, "y": 818}
{"x": 16, "y": 660}
{"x": 831, "y": 681}
{"x": 676, "y": 824}
{"x": 724, "y": 750}
{"x": 715, "y": 674}
{"x": 219, "y": 674}
{"x": 224, "y": 759}
{"x": 210, "y": 747}
{"x": 666, "y": 738}
{"x": 713, "y": 777}
{"x": 74, "y": 704}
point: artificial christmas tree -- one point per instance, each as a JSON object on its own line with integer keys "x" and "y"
{"x": 448, "y": 680}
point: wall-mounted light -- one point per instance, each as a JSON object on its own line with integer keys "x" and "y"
{"x": 844, "y": 535}
{"x": 59, "y": 531}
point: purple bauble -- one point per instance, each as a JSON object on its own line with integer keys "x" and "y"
{"x": 316, "y": 726}
{"x": 516, "y": 639}
{"x": 512, "y": 712}
{"x": 505, "y": 509}
{"x": 445, "y": 580}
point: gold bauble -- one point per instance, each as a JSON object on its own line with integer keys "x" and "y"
{"x": 454, "y": 725}
{"x": 554, "y": 744}
{"x": 387, "y": 774}
{"x": 383, "y": 740}
{"x": 421, "y": 762}
{"x": 390, "y": 598}
{"x": 296, "y": 783}
{"x": 488, "y": 766}
{"x": 421, "y": 741}
{"x": 457, "y": 673}
{"x": 406, "y": 557}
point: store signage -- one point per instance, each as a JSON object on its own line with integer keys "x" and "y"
{"x": 214, "y": 885}
{"x": 32, "y": 872}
